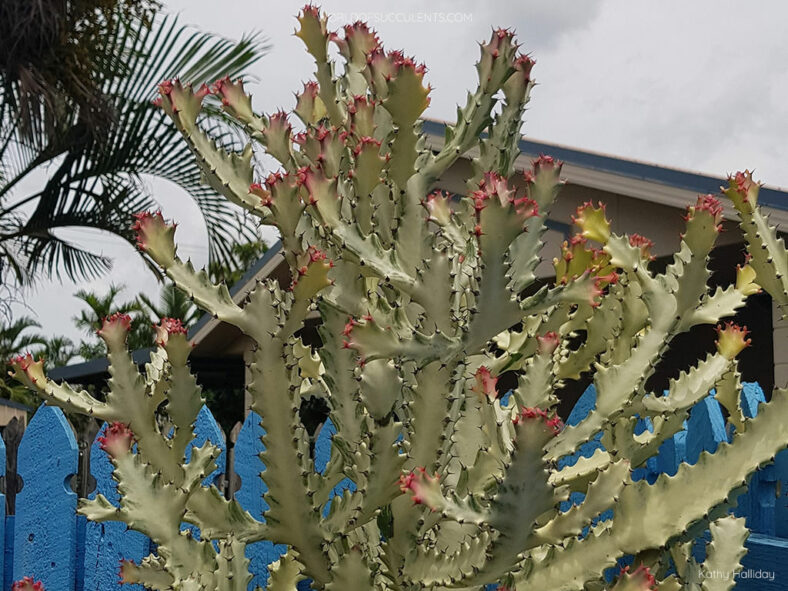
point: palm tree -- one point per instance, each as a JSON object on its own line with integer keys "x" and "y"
{"x": 46, "y": 57}
{"x": 245, "y": 254}
{"x": 15, "y": 338}
{"x": 98, "y": 308}
{"x": 58, "y": 351}
{"x": 173, "y": 303}
{"x": 98, "y": 142}
{"x": 101, "y": 306}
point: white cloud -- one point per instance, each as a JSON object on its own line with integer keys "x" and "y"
{"x": 695, "y": 85}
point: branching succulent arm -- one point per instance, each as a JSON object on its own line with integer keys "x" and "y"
{"x": 425, "y": 300}
{"x": 769, "y": 257}
{"x": 158, "y": 488}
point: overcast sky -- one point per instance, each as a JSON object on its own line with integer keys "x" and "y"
{"x": 700, "y": 85}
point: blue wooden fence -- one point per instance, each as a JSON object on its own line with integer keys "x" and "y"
{"x": 48, "y": 541}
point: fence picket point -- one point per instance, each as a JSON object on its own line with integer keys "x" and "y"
{"x": 249, "y": 467}
{"x": 2, "y": 512}
{"x": 705, "y": 428}
{"x": 45, "y": 533}
{"x": 207, "y": 429}
{"x": 107, "y": 543}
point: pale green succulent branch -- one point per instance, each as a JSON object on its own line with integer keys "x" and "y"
{"x": 424, "y": 302}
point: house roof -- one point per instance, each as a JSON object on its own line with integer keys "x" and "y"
{"x": 681, "y": 179}
{"x": 14, "y": 404}
{"x": 94, "y": 366}
{"x": 670, "y": 186}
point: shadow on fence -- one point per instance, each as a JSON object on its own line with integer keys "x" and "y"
{"x": 47, "y": 469}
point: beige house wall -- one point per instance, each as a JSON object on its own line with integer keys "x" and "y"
{"x": 7, "y": 414}
{"x": 660, "y": 223}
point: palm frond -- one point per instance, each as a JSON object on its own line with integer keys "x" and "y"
{"x": 173, "y": 303}
{"x": 57, "y": 351}
{"x": 101, "y": 203}
{"x": 101, "y": 306}
{"x": 99, "y": 183}
{"x": 15, "y": 337}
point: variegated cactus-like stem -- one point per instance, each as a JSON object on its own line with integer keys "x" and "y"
{"x": 769, "y": 257}
{"x": 633, "y": 529}
{"x": 159, "y": 490}
{"x": 425, "y": 302}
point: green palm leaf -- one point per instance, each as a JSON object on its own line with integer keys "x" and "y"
{"x": 173, "y": 303}
{"x": 99, "y": 181}
{"x": 15, "y": 337}
{"x": 57, "y": 351}
{"x": 101, "y": 306}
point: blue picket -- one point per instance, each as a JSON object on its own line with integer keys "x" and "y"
{"x": 45, "y": 524}
{"x": 249, "y": 467}
{"x": 705, "y": 429}
{"x": 759, "y": 503}
{"x": 79, "y": 581}
{"x": 669, "y": 455}
{"x": 322, "y": 457}
{"x": 781, "y": 507}
{"x": 323, "y": 445}
{"x": 751, "y": 397}
{"x": 2, "y": 510}
{"x": 106, "y": 544}
{"x": 765, "y": 566}
{"x": 582, "y": 408}
{"x": 207, "y": 429}
{"x": 8, "y": 554}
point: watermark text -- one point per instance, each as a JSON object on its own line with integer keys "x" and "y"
{"x": 403, "y": 18}
{"x": 736, "y": 575}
